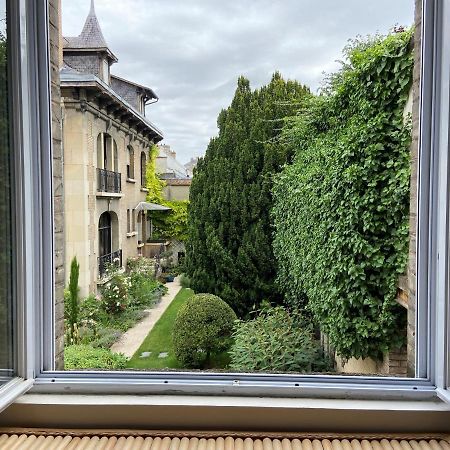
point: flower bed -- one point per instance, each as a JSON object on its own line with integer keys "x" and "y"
{"x": 121, "y": 303}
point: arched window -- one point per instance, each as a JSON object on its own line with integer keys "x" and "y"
{"x": 130, "y": 165}
{"x": 108, "y": 241}
{"x": 143, "y": 170}
{"x": 104, "y": 235}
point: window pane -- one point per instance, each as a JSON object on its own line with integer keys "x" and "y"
{"x": 6, "y": 306}
{"x": 272, "y": 224}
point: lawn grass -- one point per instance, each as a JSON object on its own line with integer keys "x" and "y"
{"x": 160, "y": 340}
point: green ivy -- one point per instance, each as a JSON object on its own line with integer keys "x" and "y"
{"x": 153, "y": 183}
{"x": 341, "y": 208}
{"x": 167, "y": 224}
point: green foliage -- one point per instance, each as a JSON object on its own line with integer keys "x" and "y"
{"x": 341, "y": 208}
{"x": 171, "y": 224}
{"x": 202, "y": 328}
{"x": 153, "y": 183}
{"x": 185, "y": 281}
{"x": 166, "y": 224}
{"x": 144, "y": 290}
{"x": 229, "y": 248}
{"x": 159, "y": 339}
{"x": 115, "y": 293}
{"x": 103, "y": 318}
{"x": 276, "y": 341}
{"x": 87, "y": 357}
{"x": 71, "y": 306}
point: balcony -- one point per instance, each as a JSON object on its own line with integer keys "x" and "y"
{"x": 111, "y": 258}
{"x": 109, "y": 182}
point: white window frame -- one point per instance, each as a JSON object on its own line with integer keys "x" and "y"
{"x": 35, "y": 209}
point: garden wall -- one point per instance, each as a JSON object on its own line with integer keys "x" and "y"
{"x": 54, "y": 10}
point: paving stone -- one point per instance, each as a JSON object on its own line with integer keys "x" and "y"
{"x": 145, "y": 354}
{"x": 163, "y": 355}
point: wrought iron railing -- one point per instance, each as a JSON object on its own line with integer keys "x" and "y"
{"x": 111, "y": 258}
{"x": 108, "y": 181}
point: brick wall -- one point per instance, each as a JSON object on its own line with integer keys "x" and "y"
{"x": 58, "y": 187}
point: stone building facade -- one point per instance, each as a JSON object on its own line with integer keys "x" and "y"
{"x": 54, "y": 9}
{"x": 106, "y": 141}
{"x": 176, "y": 176}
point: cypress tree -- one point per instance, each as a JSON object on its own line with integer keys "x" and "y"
{"x": 229, "y": 250}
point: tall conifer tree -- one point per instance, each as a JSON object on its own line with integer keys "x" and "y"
{"x": 229, "y": 250}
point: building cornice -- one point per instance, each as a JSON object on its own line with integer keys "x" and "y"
{"x": 83, "y": 105}
{"x": 86, "y": 88}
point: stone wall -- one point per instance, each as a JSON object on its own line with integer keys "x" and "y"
{"x": 58, "y": 187}
{"x": 413, "y": 202}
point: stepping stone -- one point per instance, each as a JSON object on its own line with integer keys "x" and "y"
{"x": 163, "y": 355}
{"x": 145, "y": 354}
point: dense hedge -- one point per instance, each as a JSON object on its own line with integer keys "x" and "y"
{"x": 341, "y": 209}
{"x": 87, "y": 357}
{"x": 229, "y": 249}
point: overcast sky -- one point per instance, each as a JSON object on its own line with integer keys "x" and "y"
{"x": 191, "y": 52}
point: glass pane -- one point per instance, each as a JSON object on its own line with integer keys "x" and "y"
{"x": 6, "y": 236}
{"x": 280, "y": 189}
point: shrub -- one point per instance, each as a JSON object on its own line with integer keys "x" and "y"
{"x": 87, "y": 357}
{"x": 115, "y": 294}
{"x": 104, "y": 337}
{"x": 142, "y": 265}
{"x": 203, "y": 327}
{"x": 144, "y": 290}
{"x": 276, "y": 340}
{"x": 71, "y": 305}
{"x": 185, "y": 281}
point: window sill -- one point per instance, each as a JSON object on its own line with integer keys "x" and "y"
{"x": 227, "y": 413}
{"x": 131, "y": 180}
{"x": 109, "y": 195}
{"x": 133, "y": 233}
{"x": 144, "y": 189}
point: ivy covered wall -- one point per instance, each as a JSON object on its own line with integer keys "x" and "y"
{"x": 341, "y": 208}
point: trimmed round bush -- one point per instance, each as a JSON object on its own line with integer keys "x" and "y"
{"x": 203, "y": 327}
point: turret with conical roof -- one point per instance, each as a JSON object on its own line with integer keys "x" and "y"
{"x": 89, "y": 52}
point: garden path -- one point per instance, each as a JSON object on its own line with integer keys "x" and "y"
{"x": 133, "y": 338}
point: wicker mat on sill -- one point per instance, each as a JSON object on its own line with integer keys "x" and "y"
{"x": 28, "y": 439}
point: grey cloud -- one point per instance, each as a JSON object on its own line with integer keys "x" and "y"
{"x": 192, "y": 52}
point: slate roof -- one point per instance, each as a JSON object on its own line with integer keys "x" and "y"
{"x": 72, "y": 78}
{"x": 149, "y": 92}
{"x": 91, "y": 37}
